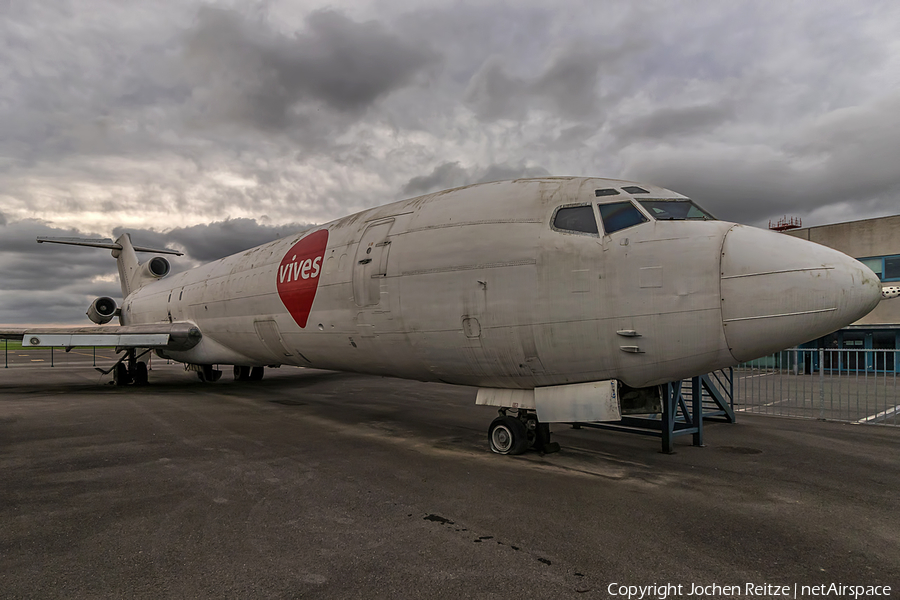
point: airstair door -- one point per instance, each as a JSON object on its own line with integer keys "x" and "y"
{"x": 370, "y": 266}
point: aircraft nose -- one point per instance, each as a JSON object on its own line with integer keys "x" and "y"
{"x": 779, "y": 291}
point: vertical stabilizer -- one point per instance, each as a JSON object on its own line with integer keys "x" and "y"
{"x": 127, "y": 262}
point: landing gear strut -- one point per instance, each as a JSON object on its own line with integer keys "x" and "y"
{"x": 129, "y": 369}
{"x": 209, "y": 373}
{"x": 516, "y": 433}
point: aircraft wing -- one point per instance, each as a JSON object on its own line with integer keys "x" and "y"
{"x": 172, "y": 336}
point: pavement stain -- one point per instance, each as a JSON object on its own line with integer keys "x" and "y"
{"x": 579, "y": 585}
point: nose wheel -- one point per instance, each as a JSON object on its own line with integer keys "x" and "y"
{"x": 507, "y": 435}
{"x": 514, "y": 434}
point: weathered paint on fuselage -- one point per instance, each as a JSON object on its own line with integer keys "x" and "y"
{"x": 469, "y": 286}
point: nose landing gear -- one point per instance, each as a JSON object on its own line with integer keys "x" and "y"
{"x": 514, "y": 434}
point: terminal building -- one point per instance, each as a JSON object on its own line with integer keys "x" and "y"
{"x": 876, "y": 243}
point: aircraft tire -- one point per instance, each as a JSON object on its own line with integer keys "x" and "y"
{"x": 241, "y": 373}
{"x": 507, "y": 435}
{"x": 140, "y": 375}
{"x": 120, "y": 375}
{"x": 256, "y": 373}
{"x": 208, "y": 374}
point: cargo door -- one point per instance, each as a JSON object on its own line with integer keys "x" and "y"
{"x": 270, "y": 336}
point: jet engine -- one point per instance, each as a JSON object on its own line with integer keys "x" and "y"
{"x": 157, "y": 267}
{"x": 102, "y": 310}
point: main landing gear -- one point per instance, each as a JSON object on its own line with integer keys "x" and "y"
{"x": 517, "y": 430}
{"x": 248, "y": 373}
{"x": 210, "y": 374}
{"x": 129, "y": 369}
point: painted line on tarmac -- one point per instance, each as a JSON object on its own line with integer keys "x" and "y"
{"x": 882, "y": 416}
{"x": 756, "y": 407}
{"x": 760, "y": 375}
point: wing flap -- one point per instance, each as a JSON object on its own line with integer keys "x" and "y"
{"x": 121, "y": 340}
{"x": 171, "y": 336}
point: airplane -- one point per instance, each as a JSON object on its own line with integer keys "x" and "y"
{"x": 551, "y": 295}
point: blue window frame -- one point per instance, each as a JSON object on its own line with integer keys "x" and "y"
{"x": 886, "y": 267}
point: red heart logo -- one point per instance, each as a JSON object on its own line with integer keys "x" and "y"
{"x": 298, "y": 275}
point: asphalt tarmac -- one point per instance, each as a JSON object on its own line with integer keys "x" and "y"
{"x": 313, "y": 484}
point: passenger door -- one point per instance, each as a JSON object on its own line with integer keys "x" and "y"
{"x": 370, "y": 265}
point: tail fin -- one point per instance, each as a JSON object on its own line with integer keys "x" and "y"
{"x": 127, "y": 262}
{"x": 132, "y": 274}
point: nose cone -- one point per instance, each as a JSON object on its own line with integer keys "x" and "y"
{"x": 779, "y": 291}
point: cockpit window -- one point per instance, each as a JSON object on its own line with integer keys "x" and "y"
{"x": 620, "y": 215}
{"x": 633, "y": 189}
{"x": 675, "y": 210}
{"x": 576, "y": 218}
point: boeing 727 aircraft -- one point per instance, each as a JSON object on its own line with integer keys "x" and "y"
{"x": 547, "y": 294}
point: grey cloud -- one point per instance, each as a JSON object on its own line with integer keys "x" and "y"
{"x": 244, "y": 71}
{"x": 494, "y": 94}
{"x": 754, "y": 183}
{"x": 50, "y": 283}
{"x": 506, "y": 171}
{"x": 570, "y": 83}
{"x": 568, "y": 86}
{"x": 671, "y": 122}
{"x": 444, "y": 176}
{"x": 451, "y": 174}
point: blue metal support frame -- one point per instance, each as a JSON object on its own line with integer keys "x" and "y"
{"x": 681, "y": 416}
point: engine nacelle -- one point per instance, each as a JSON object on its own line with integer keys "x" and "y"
{"x": 157, "y": 267}
{"x": 102, "y": 310}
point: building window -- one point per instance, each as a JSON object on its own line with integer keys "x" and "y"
{"x": 886, "y": 267}
{"x": 891, "y": 268}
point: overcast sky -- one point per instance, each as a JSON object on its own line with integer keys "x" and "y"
{"x": 217, "y": 126}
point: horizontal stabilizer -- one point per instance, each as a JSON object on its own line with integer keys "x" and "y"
{"x": 104, "y": 243}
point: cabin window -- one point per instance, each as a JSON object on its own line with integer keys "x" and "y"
{"x": 578, "y": 219}
{"x": 675, "y": 210}
{"x": 620, "y": 215}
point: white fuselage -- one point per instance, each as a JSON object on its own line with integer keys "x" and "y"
{"x": 475, "y": 286}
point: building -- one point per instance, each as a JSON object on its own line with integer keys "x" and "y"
{"x": 876, "y": 243}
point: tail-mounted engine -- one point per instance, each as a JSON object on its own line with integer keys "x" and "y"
{"x": 157, "y": 267}
{"x": 102, "y": 310}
